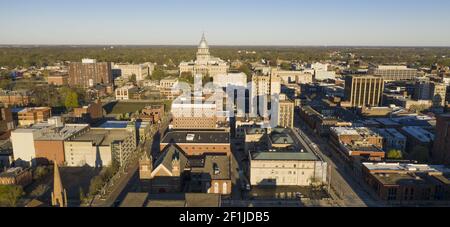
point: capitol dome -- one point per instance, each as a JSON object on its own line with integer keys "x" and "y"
{"x": 203, "y": 43}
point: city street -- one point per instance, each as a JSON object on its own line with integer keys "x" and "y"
{"x": 342, "y": 180}
{"x": 129, "y": 181}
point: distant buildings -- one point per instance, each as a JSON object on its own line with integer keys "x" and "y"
{"x": 89, "y": 73}
{"x": 194, "y": 116}
{"x": 361, "y": 91}
{"x": 58, "y": 78}
{"x": 32, "y": 115}
{"x": 141, "y": 71}
{"x": 441, "y": 148}
{"x": 6, "y": 121}
{"x": 126, "y": 92}
{"x": 393, "y": 72}
{"x": 89, "y": 113}
{"x": 232, "y": 80}
{"x": 205, "y": 64}
{"x": 288, "y": 76}
{"x": 396, "y": 182}
{"x": 15, "y": 98}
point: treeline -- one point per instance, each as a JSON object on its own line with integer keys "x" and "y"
{"x": 171, "y": 56}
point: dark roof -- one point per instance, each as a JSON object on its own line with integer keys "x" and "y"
{"x": 135, "y": 200}
{"x": 207, "y": 137}
{"x": 184, "y": 200}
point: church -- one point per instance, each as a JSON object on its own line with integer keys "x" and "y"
{"x": 205, "y": 64}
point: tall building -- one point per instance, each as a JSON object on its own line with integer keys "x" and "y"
{"x": 286, "y": 113}
{"x": 429, "y": 90}
{"x": 363, "y": 91}
{"x": 441, "y": 148}
{"x": 263, "y": 87}
{"x": 59, "y": 194}
{"x": 89, "y": 73}
{"x": 393, "y": 72}
{"x": 205, "y": 63}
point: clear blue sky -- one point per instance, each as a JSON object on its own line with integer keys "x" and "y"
{"x": 226, "y": 22}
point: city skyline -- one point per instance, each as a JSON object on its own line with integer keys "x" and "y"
{"x": 230, "y": 23}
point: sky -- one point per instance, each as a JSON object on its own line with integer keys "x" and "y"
{"x": 226, "y": 22}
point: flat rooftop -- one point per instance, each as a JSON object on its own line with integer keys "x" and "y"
{"x": 61, "y": 133}
{"x": 192, "y": 137}
{"x": 102, "y": 137}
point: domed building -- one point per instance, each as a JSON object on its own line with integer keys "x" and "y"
{"x": 205, "y": 64}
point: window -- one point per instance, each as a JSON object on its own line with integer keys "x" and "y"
{"x": 216, "y": 188}
{"x": 392, "y": 194}
{"x": 225, "y": 188}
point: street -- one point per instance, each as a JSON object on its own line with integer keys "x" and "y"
{"x": 341, "y": 178}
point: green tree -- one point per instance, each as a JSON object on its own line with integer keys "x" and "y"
{"x": 158, "y": 74}
{"x": 133, "y": 79}
{"x": 10, "y": 195}
{"x": 187, "y": 77}
{"x": 40, "y": 173}
{"x": 394, "y": 154}
{"x": 246, "y": 69}
{"x": 71, "y": 100}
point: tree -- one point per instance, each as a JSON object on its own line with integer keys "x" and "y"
{"x": 133, "y": 79}
{"x": 10, "y": 195}
{"x": 246, "y": 69}
{"x": 71, "y": 100}
{"x": 420, "y": 153}
{"x": 158, "y": 74}
{"x": 394, "y": 154}
{"x": 40, "y": 173}
{"x": 187, "y": 77}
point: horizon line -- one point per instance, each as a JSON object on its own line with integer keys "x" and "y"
{"x": 226, "y": 45}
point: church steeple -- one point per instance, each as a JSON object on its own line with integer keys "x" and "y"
{"x": 59, "y": 195}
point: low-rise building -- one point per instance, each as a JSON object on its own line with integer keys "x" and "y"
{"x": 126, "y": 92}
{"x": 100, "y": 147}
{"x": 32, "y": 115}
{"x": 283, "y": 162}
{"x": 22, "y": 140}
{"x": 58, "y": 78}
{"x": 16, "y": 176}
{"x": 417, "y": 136}
{"x": 400, "y": 182}
{"x": 195, "y": 143}
{"x": 357, "y": 142}
{"x": 15, "y": 98}
{"x": 393, "y": 139}
{"x": 49, "y": 145}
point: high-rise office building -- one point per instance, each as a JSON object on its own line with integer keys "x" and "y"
{"x": 363, "y": 91}
{"x": 89, "y": 73}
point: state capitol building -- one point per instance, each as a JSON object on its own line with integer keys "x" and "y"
{"x": 205, "y": 63}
